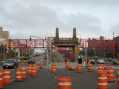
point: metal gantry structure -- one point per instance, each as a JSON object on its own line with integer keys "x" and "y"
{"x": 71, "y": 43}
{"x": 32, "y": 43}
{"x": 49, "y": 43}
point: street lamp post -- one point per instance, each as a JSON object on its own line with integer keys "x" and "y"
{"x": 47, "y": 51}
{"x": 30, "y": 49}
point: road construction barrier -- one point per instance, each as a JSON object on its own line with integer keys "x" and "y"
{"x": 110, "y": 74}
{"x": 100, "y": 72}
{"x": 24, "y": 73}
{"x": 100, "y": 69}
{"x": 64, "y": 82}
{"x": 7, "y": 77}
{"x": 32, "y": 70}
{"x": 20, "y": 74}
{"x": 1, "y": 80}
{"x": 53, "y": 68}
{"x": 90, "y": 67}
{"x": 102, "y": 81}
{"x": 79, "y": 68}
{"x": 29, "y": 69}
{"x": 117, "y": 78}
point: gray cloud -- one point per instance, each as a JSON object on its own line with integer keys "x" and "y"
{"x": 86, "y": 2}
{"x": 86, "y": 24}
{"x": 91, "y": 17}
{"x": 32, "y": 18}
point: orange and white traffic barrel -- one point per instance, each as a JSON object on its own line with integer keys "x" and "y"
{"x": 100, "y": 72}
{"x": 90, "y": 67}
{"x": 102, "y": 82}
{"x": 20, "y": 75}
{"x": 33, "y": 70}
{"x": 79, "y": 68}
{"x": 100, "y": 69}
{"x": 1, "y": 80}
{"x": 117, "y": 78}
{"x": 23, "y": 72}
{"x": 29, "y": 69}
{"x": 110, "y": 75}
{"x": 53, "y": 68}
{"x": 101, "y": 66}
{"x": 64, "y": 82}
{"x": 7, "y": 77}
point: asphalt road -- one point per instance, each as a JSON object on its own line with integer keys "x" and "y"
{"x": 46, "y": 80}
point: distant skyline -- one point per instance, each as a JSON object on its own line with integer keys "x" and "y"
{"x": 92, "y": 18}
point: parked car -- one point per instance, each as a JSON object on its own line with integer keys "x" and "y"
{"x": 31, "y": 62}
{"x": 110, "y": 59}
{"x": 92, "y": 61}
{"x": 115, "y": 61}
{"x": 100, "y": 61}
{"x": 9, "y": 64}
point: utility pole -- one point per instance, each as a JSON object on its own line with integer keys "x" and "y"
{"x": 113, "y": 35}
{"x": 114, "y": 49}
{"x": 86, "y": 48}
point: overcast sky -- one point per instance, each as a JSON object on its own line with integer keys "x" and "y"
{"x": 92, "y": 18}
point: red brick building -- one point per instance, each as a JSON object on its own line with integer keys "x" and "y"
{"x": 102, "y": 47}
{"x": 116, "y": 39}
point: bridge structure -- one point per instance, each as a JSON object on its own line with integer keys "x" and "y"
{"x": 71, "y": 43}
{"x": 27, "y": 46}
{"x": 27, "y": 43}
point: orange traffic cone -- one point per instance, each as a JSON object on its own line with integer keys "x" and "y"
{"x": 102, "y": 81}
{"x": 7, "y": 77}
{"x": 64, "y": 82}
{"x": 1, "y": 80}
{"x": 53, "y": 68}
{"x": 79, "y": 68}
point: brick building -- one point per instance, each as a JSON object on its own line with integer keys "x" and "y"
{"x": 116, "y": 39}
{"x": 101, "y": 47}
{"x": 4, "y": 36}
